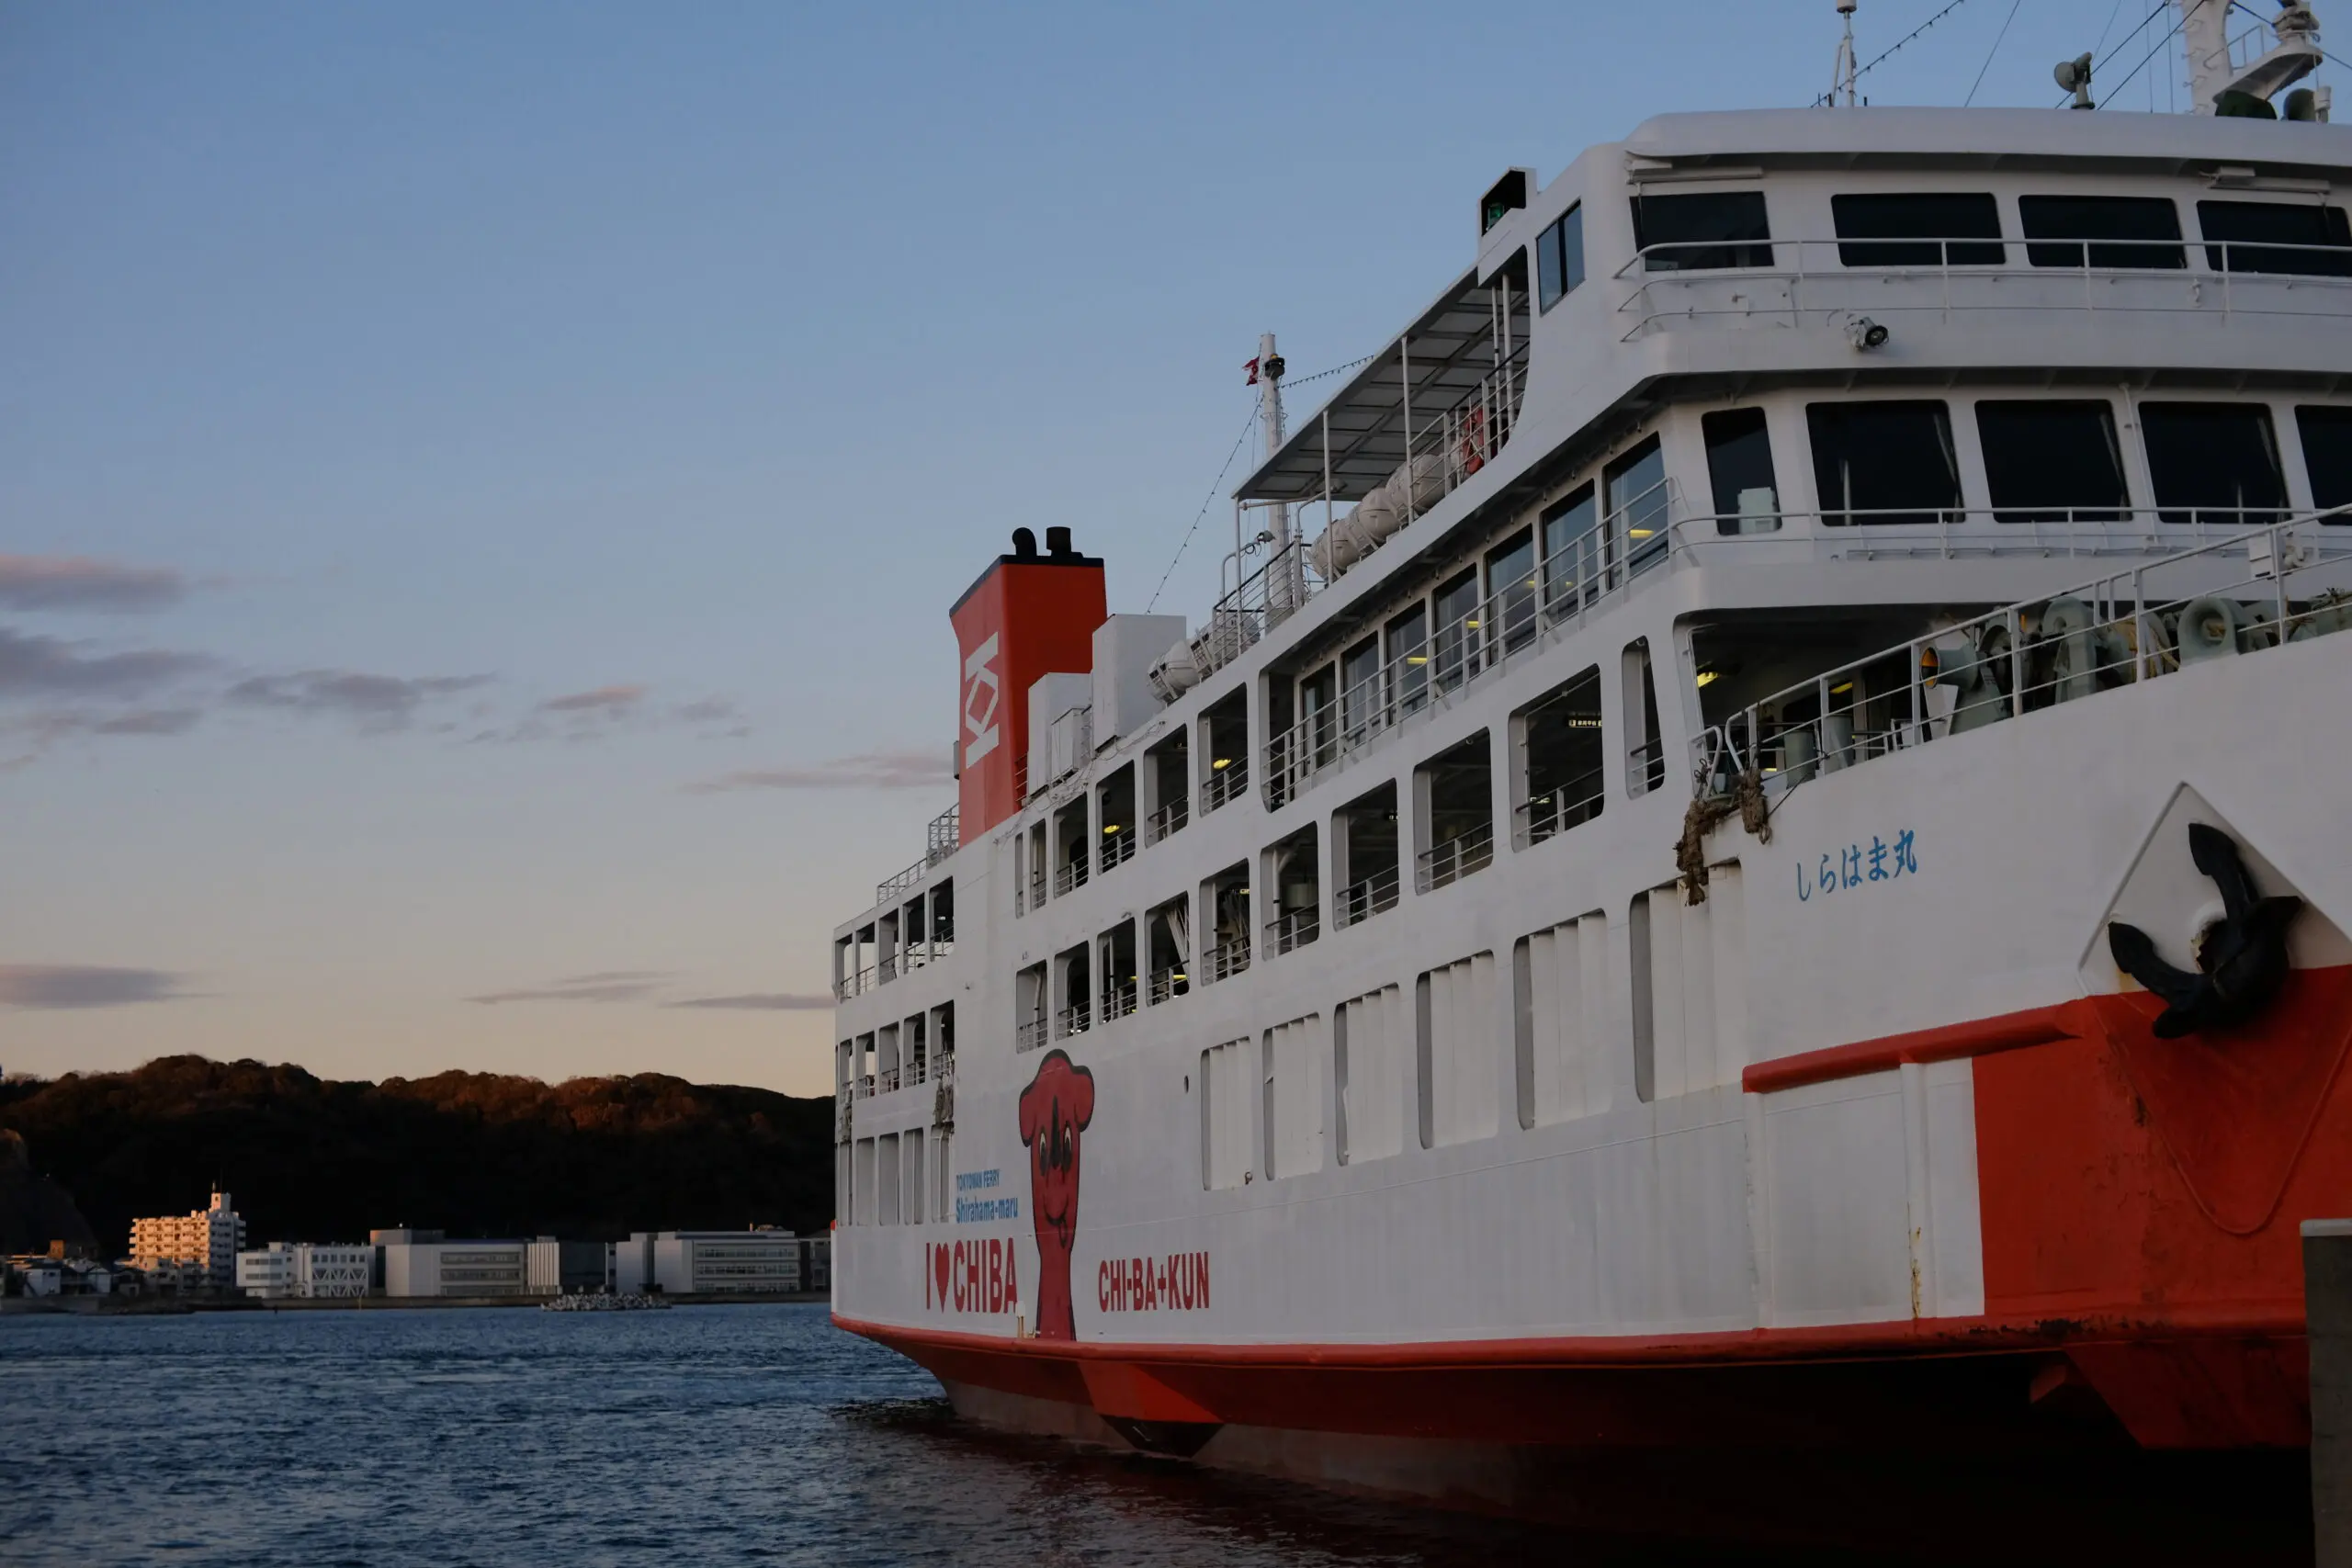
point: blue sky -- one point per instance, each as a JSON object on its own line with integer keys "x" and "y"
{"x": 481, "y": 487}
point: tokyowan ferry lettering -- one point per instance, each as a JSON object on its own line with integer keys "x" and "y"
{"x": 1179, "y": 1283}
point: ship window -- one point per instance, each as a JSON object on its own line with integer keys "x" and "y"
{"x": 2139, "y": 230}
{"x": 2327, "y": 454}
{"x": 1456, "y": 611}
{"x": 1510, "y": 593}
{"x": 1646, "y": 753}
{"x": 1559, "y": 259}
{"x": 1696, "y": 232}
{"x": 1166, "y": 772}
{"x": 1560, "y": 761}
{"x": 1883, "y": 462}
{"x": 1571, "y": 550}
{"x": 2053, "y": 462}
{"x": 1408, "y": 657}
{"x": 1362, "y": 702}
{"x": 1295, "y": 903}
{"x": 1454, "y": 806}
{"x": 2213, "y": 462}
{"x": 2250, "y": 232}
{"x": 1363, "y": 856}
{"x": 1634, "y": 488}
{"x": 1168, "y": 932}
{"x": 1927, "y": 224}
{"x": 1225, "y": 899}
{"x": 1739, "y": 467}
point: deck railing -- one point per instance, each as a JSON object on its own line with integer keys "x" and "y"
{"x": 1296, "y": 929}
{"x": 1169, "y": 983}
{"x": 2284, "y": 583}
{"x": 1118, "y": 848}
{"x": 1456, "y": 858}
{"x": 1028, "y": 1034}
{"x": 1359, "y": 901}
{"x": 1560, "y": 808}
{"x": 1228, "y": 958}
{"x": 1169, "y": 819}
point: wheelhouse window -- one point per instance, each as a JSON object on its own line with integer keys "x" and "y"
{"x": 2141, "y": 232}
{"x": 1739, "y": 471}
{"x": 1883, "y": 462}
{"x": 2248, "y": 236}
{"x": 1559, "y": 259}
{"x": 2327, "y": 456}
{"x": 2215, "y": 463}
{"x": 1928, "y": 228}
{"x": 2052, "y": 461}
{"x": 1701, "y": 232}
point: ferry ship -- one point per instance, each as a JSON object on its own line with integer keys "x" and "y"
{"x": 1753, "y": 858}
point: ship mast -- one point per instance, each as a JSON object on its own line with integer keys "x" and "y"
{"x": 1841, "y": 74}
{"x": 1284, "y": 586}
{"x": 2205, "y": 37}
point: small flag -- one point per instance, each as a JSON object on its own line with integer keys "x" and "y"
{"x": 1252, "y": 369}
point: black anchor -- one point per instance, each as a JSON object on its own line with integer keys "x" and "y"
{"x": 2241, "y": 957}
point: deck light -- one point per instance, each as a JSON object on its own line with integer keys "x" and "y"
{"x": 1110, "y": 827}
{"x": 1708, "y": 677}
{"x": 1220, "y": 762}
{"x": 1865, "y": 335}
{"x": 1417, "y": 659}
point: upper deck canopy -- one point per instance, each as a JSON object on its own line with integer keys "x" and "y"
{"x": 1439, "y": 360}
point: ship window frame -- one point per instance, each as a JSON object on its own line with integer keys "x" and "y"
{"x": 1827, "y": 425}
{"x": 2166, "y": 454}
{"x": 2260, "y": 255}
{"x": 1733, "y": 250}
{"x": 2087, "y": 251}
{"x": 1907, "y": 237}
{"x": 1559, "y": 259}
{"x": 2339, "y": 470}
{"x": 1723, "y": 489}
{"x": 2003, "y": 461}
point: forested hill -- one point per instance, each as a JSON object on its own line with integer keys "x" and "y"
{"x": 471, "y": 1153}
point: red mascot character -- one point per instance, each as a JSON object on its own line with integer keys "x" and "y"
{"x": 1054, "y": 1109}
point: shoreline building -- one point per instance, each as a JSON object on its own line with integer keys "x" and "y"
{"x": 210, "y": 1238}
{"x": 718, "y": 1262}
{"x": 307, "y": 1270}
{"x": 427, "y": 1263}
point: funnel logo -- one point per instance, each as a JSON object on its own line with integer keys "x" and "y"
{"x": 983, "y": 692}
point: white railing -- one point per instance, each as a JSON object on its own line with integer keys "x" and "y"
{"x": 1071, "y": 876}
{"x": 1075, "y": 1018}
{"x": 1294, "y": 930}
{"x": 2288, "y": 582}
{"x": 1359, "y": 901}
{"x": 1118, "y": 848}
{"x": 1228, "y": 958}
{"x": 1117, "y": 1000}
{"x": 1169, "y": 819}
{"x": 857, "y": 983}
{"x": 1228, "y": 783}
{"x": 1456, "y": 858}
{"x": 1808, "y": 282}
{"x": 1170, "y": 983}
{"x": 1557, "y": 810}
{"x": 1028, "y": 1035}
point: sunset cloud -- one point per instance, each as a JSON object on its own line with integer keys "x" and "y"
{"x": 377, "y": 701}
{"x": 33, "y": 666}
{"x": 85, "y": 985}
{"x": 762, "y": 1001}
{"x": 79, "y": 582}
{"x": 870, "y": 769}
{"x": 605, "y": 986}
{"x": 607, "y": 701}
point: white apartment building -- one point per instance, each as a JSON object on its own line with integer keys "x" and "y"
{"x": 210, "y": 1237}
{"x": 713, "y": 1262}
{"x": 307, "y": 1270}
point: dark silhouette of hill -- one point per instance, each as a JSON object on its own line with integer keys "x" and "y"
{"x": 471, "y": 1153}
{"x": 34, "y": 1210}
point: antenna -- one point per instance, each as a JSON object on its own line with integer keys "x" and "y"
{"x": 1841, "y": 74}
{"x": 2219, "y": 85}
{"x": 2074, "y": 76}
{"x": 1281, "y": 591}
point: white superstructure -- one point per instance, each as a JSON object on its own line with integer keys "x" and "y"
{"x": 1630, "y": 885}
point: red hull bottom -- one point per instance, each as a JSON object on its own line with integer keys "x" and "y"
{"x": 2066, "y": 1486}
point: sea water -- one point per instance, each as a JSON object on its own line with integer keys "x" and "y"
{"x": 700, "y": 1435}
